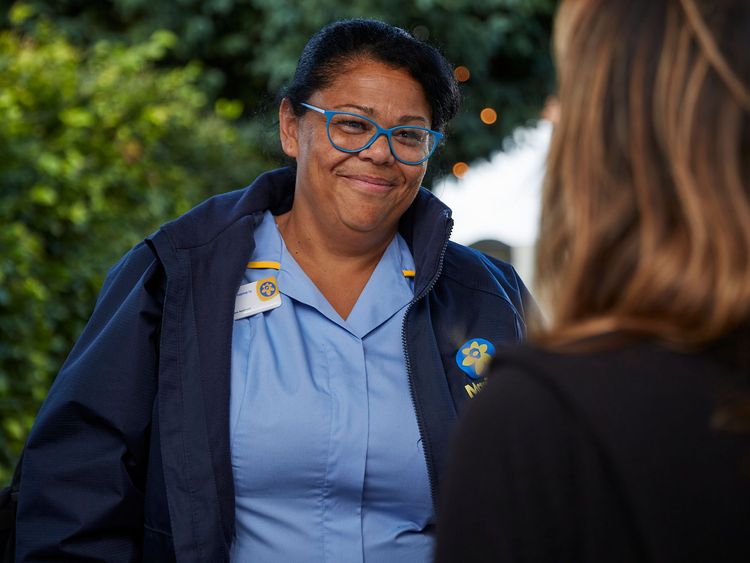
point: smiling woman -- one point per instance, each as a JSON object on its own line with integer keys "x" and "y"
{"x": 274, "y": 375}
{"x": 353, "y": 198}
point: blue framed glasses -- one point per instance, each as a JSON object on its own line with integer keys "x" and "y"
{"x": 350, "y": 132}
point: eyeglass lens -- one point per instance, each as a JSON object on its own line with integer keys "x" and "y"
{"x": 352, "y": 133}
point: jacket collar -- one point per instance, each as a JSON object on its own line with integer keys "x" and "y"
{"x": 426, "y": 225}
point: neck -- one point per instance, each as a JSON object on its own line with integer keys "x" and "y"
{"x": 310, "y": 239}
{"x": 339, "y": 264}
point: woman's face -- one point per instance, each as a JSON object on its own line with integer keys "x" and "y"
{"x": 365, "y": 192}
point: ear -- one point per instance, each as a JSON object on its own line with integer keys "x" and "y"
{"x": 288, "y": 129}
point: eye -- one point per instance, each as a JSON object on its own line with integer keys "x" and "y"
{"x": 351, "y": 124}
{"x": 410, "y": 135}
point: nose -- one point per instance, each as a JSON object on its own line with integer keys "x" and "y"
{"x": 379, "y": 152}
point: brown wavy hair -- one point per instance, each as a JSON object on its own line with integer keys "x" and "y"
{"x": 646, "y": 208}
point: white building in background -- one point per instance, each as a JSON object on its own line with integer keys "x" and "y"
{"x": 499, "y": 200}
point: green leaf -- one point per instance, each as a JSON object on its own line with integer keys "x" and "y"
{"x": 228, "y": 109}
{"x": 43, "y": 195}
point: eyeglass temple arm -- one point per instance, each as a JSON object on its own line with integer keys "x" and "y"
{"x": 308, "y": 106}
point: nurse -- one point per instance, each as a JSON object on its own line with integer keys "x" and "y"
{"x": 273, "y": 376}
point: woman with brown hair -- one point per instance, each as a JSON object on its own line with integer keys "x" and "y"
{"x": 623, "y": 432}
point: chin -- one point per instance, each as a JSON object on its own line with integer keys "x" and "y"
{"x": 366, "y": 225}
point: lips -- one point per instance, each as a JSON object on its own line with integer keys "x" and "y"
{"x": 373, "y": 181}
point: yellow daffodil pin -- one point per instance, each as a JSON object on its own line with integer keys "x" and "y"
{"x": 474, "y": 357}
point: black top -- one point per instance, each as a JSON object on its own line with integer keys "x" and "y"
{"x": 613, "y": 456}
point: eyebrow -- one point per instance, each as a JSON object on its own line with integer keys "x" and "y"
{"x": 370, "y": 113}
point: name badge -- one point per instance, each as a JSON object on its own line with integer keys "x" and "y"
{"x": 256, "y": 297}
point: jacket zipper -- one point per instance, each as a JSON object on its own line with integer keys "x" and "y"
{"x": 420, "y": 422}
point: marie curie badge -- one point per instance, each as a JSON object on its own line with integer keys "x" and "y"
{"x": 256, "y": 297}
{"x": 474, "y": 356}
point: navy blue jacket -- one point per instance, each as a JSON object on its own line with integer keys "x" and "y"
{"x": 129, "y": 456}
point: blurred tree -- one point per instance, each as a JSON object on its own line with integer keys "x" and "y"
{"x": 249, "y": 49}
{"x": 98, "y": 147}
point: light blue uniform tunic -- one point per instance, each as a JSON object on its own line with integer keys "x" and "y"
{"x": 326, "y": 454}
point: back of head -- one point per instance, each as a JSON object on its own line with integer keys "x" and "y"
{"x": 646, "y": 212}
{"x": 331, "y": 50}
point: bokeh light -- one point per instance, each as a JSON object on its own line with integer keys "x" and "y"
{"x": 461, "y": 73}
{"x": 459, "y": 169}
{"x": 488, "y": 116}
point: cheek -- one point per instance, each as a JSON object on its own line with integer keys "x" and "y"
{"x": 306, "y": 143}
{"x": 413, "y": 181}
{"x": 312, "y": 141}
{"x": 316, "y": 149}
{"x": 415, "y": 176}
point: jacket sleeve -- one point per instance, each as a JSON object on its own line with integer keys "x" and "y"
{"x": 518, "y": 293}
{"x": 83, "y": 470}
{"x": 529, "y": 308}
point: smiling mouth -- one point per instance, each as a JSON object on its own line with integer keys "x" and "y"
{"x": 371, "y": 180}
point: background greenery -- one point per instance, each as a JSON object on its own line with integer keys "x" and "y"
{"x": 117, "y": 115}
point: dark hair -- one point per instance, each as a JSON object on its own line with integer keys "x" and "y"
{"x": 338, "y": 43}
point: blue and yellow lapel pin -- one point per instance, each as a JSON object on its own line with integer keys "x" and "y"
{"x": 474, "y": 356}
{"x": 267, "y": 289}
